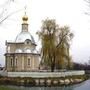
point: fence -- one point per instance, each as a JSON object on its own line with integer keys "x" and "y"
{"x": 45, "y": 74}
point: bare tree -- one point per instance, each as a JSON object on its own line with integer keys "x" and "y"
{"x": 4, "y": 15}
{"x": 87, "y": 2}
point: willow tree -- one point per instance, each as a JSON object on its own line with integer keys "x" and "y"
{"x": 63, "y": 58}
{"x": 53, "y": 40}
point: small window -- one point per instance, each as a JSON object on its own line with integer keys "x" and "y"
{"x": 27, "y": 42}
{"x": 29, "y": 61}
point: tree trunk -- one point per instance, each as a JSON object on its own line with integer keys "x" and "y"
{"x": 52, "y": 67}
{"x": 53, "y": 64}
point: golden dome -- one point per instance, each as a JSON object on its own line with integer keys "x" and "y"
{"x": 25, "y": 18}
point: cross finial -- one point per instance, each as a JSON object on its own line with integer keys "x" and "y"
{"x": 25, "y": 9}
{"x": 25, "y": 17}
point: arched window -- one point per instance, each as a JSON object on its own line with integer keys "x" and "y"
{"x": 29, "y": 62}
{"x": 11, "y": 62}
{"x": 15, "y": 61}
{"x": 27, "y": 41}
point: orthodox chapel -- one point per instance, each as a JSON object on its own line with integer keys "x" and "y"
{"x": 21, "y": 54}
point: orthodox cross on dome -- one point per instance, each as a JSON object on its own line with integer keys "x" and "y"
{"x": 25, "y": 17}
{"x": 25, "y": 23}
{"x": 25, "y": 9}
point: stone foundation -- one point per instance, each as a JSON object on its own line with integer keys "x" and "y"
{"x": 44, "y": 78}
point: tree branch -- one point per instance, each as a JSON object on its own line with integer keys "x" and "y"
{"x": 61, "y": 40}
{"x": 9, "y": 15}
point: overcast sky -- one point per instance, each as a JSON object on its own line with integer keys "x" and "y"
{"x": 66, "y": 12}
